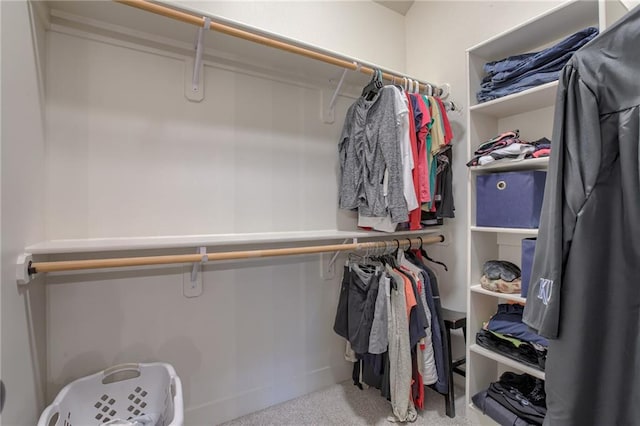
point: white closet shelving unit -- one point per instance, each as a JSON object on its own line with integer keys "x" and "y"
{"x": 531, "y": 112}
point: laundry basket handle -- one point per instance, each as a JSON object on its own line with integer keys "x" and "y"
{"x": 48, "y": 415}
{"x": 120, "y": 372}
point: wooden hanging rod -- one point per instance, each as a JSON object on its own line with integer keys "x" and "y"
{"x": 74, "y": 265}
{"x": 198, "y": 20}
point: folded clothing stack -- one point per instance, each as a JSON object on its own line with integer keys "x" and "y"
{"x": 515, "y": 399}
{"x": 517, "y": 73}
{"x": 501, "y": 276}
{"x": 506, "y": 334}
{"x": 509, "y": 146}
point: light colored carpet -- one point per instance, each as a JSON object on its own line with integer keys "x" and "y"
{"x": 345, "y": 404}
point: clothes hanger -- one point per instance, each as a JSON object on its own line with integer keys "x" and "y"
{"x": 391, "y": 258}
{"x": 374, "y": 86}
{"x": 388, "y": 259}
{"x": 426, "y": 256}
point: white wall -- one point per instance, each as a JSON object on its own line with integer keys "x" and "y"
{"x": 128, "y": 155}
{"x": 455, "y": 26}
{"x": 22, "y": 152}
{"x": 360, "y": 29}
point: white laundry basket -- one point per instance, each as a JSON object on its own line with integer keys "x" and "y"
{"x": 124, "y": 392}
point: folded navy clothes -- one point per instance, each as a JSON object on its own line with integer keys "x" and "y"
{"x": 531, "y": 388}
{"x": 521, "y": 72}
{"x": 515, "y": 402}
{"x": 508, "y": 320}
{"x": 496, "y": 411}
{"x": 521, "y": 394}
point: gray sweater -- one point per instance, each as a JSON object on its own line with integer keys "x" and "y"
{"x": 368, "y": 145}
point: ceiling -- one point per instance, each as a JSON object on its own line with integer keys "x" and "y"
{"x": 400, "y": 6}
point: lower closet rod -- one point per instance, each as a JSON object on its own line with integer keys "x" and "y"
{"x": 74, "y": 265}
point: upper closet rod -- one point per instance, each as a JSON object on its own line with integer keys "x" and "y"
{"x": 74, "y": 265}
{"x": 256, "y": 38}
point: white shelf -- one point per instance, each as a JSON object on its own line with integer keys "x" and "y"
{"x": 528, "y": 100}
{"x": 548, "y": 27}
{"x": 475, "y": 348}
{"x": 509, "y": 165}
{"x": 521, "y": 231}
{"x": 512, "y": 297}
{"x": 212, "y": 240}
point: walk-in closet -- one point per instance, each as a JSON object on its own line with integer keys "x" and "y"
{"x": 319, "y": 212}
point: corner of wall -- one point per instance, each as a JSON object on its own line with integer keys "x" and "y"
{"x": 23, "y": 353}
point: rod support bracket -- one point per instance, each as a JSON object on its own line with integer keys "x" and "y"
{"x": 24, "y": 271}
{"x": 329, "y": 109}
{"x": 194, "y": 87}
{"x": 192, "y": 277}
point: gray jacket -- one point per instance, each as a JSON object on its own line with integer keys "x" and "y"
{"x": 368, "y": 146}
{"x": 584, "y": 291}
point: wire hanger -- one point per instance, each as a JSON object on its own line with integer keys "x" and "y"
{"x": 426, "y": 256}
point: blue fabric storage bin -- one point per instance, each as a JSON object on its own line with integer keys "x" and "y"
{"x": 528, "y": 250}
{"x": 510, "y": 200}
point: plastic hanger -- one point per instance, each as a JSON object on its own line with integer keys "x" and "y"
{"x": 426, "y": 256}
{"x": 374, "y": 86}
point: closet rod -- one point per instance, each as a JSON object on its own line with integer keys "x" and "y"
{"x": 190, "y": 18}
{"x": 74, "y": 265}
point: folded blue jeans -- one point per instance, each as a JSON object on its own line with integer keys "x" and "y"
{"x": 568, "y": 45}
{"x": 525, "y": 83}
{"x": 516, "y": 65}
{"x": 506, "y": 64}
{"x": 555, "y": 65}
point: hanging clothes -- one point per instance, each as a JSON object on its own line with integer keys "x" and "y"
{"x": 424, "y": 190}
{"x": 414, "y": 215}
{"x": 385, "y": 314}
{"x": 368, "y": 149}
{"x": 584, "y": 293}
{"x": 394, "y": 164}
{"x": 437, "y": 322}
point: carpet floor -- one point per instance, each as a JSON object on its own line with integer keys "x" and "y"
{"x": 345, "y": 404}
